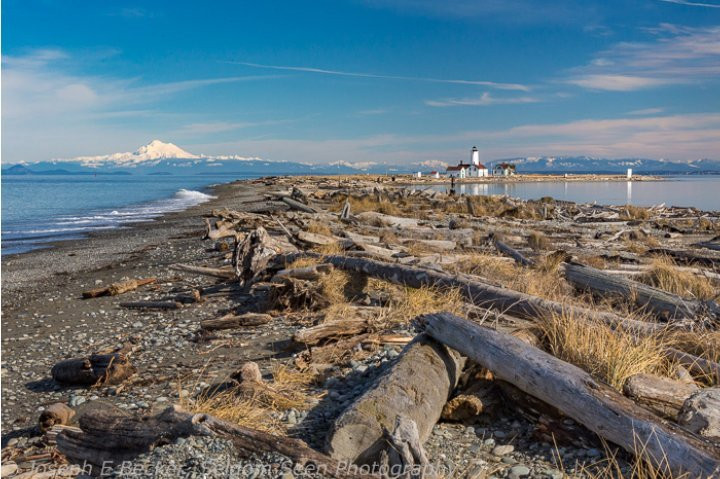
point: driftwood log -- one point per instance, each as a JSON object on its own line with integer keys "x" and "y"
{"x": 118, "y": 288}
{"x": 701, "y": 413}
{"x": 417, "y": 387}
{"x": 574, "y": 392}
{"x": 698, "y": 366}
{"x": 330, "y": 330}
{"x": 97, "y": 369}
{"x": 223, "y": 273}
{"x": 308, "y": 273}
{"x": 252, "y": 255}
{"x": 108, "y": 437}
{"x": 661, "y": 303}
{"x": 479, "y": 293}
{"x": 232, "y": 321}
{"x": 297, "y": 205}
{"x": 54, "y": 415}
{"x": 511, "y": 252}
{"x": 663, "y": 396}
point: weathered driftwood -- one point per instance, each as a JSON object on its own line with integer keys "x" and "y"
{"x": 151, "y": 304}
{"x": 686, "y": 257}
{"x": 407, "y": 453}
{"x": 511, "y": 252}
{"x": 574, "y": 392}
{"x": 297, "y": 205}
{"x": 55, "y": 414}
{"x": 380, "y": 219}
{"x": 118, "y": 288}
{"x": 417, "y": 386}
{"x": 661, "y": 303}
{"x": 108, "y": 437}
{"x": 434, "y": 245}
{"x": 319, "y": 239}
{"x": 222, "y": 229}
{"x": 252, "y": 255}
{"x": 701, "y": 413}
{"x": 696, "y": 365}
{"x": 308, "y": 273}
{"x": 96, "y": 369}
{"x": 224, "y": 273}
{"x": 479, "y": 293}
{"x": 330, "y": 330}
{"x": 232, "y": 321}
{"x": 345, "y": 213}
{"x": 663, "y": 396}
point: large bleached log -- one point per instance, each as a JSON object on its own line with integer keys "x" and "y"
{"x": 416, "y": 386}
{"x": 118, "y": 288}
{"x": 96, "y": 369}
{"x": 107, "y": 437}
{"x": 297, "y": 205}
{"x": 574, "y": 392}
{"x": 379, "y": 219}
{"x": 222, "y": 273}
{"x": 478, "y": 293}
{"x": 663, "y": 396}
{"x": 660, "y": 302}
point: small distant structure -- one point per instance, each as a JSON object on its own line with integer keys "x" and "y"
{"x": 418, "y": 174}
{"x": 504, "y": 169}
{"x": 629, "y": 174}
{"x": 474, "y": 169}
{"x": 434, "y": 174}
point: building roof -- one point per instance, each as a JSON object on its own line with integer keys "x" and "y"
{"x": 456, "y": 168}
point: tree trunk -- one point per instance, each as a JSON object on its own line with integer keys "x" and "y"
{"x": 574, "y": 392}
{"x": 252, "y": 255}
{"x": 663, "y": 396}
{"x": 511, "y": 252}
{"x": 417, "y": 387}
{"x": 307, "y": 273}
{"x": 662, "y": 303}
{"x": 331, "y": 330}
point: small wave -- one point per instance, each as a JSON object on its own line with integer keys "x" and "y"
{"x": 198, "y": 196}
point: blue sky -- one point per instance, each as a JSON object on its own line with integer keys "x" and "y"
{"x": 399, "y": 81}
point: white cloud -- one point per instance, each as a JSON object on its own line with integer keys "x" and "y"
{"x": 485, "y": 99}
{"x": 48, "y": 111}
{"x": 676, "y": 55}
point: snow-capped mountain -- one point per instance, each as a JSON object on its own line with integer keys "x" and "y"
{"x": 153, "y": 151}
{"x": 587, "y": 164}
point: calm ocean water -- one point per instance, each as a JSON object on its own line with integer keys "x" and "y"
{"x": 39, "y": 209}
{"x": 702, "y": 192}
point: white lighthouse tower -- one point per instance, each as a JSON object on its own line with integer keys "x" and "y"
{"x": 476, "y": 168}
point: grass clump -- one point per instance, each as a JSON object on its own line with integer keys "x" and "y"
{"x": 368, "y": 203}
{"x": 612, "y": 356}
{"x": 635, "y": 213}
{"x": 319, "y": 228}
{"x": 665, "y": 275}
{"x": 404, "y": 303}
{"x": 538, "y": 241}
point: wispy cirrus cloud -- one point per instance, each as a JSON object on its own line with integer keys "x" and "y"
{"x": 646, "y": 111}
{"x": 322, "y": 71}
{"x": 486, "y": 99}
{"x": 693, "y": 4}
{"x": 676, "y": 55}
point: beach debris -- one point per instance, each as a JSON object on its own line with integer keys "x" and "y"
{"x": 233, "y": 321}
{"x": 97, "y": 369}
{"x": 55, "y": 414}
{"x": 118, "y": 288}
{"x": 151, "y": 305}
{"x": 662, "y": 395}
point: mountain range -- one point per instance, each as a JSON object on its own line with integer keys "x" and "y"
{"x": 160, "y": 158}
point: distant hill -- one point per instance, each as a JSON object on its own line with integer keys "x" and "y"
{"x": 160, "y": 159}
{"x": 586, "y": 164}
